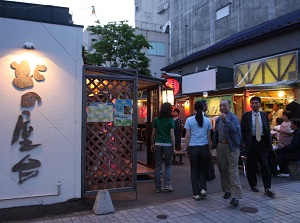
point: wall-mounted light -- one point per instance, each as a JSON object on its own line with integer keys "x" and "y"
{"x": 205, "y": 94}
{"x": 28, "y": 46}
{"x": 168, "y": 95}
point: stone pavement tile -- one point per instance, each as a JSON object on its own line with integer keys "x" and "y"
{"x": 93, "y": 218}
{"x": 282, "y": 208}
{"x": 102, "y": 218}
{"x": 66, "y": 220}
{"x": 58, "y": 221}
{"x": 75, "y": 219}
{"x": 295, "y": 216}
{"x": 171, "y": 221}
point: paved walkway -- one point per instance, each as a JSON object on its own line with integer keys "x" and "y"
{"x": 283, "y": 208}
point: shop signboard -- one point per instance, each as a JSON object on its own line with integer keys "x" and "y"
{"x": 199, "y": 82}
{"x": 214, "y": 102}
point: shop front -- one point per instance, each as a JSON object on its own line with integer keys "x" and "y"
{"x": 275, "y": 79}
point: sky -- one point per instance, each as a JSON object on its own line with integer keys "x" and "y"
{"x": 106, "y": 10}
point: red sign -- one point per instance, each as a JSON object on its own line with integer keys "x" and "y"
{"x": 174, "y": 84}
{"x": 143, "y": 111}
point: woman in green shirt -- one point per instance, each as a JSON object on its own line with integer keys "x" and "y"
{"x": 163, "y": 144}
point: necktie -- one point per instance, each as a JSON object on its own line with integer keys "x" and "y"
{"x": 257, "y": 128}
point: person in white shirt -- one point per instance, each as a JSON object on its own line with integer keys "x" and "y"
{"x": 197, "y": 141}
{"x": 276, "y": 113}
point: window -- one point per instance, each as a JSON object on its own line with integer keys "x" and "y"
{"x": 158, "y": 49}
{"x": 222, "y": 12}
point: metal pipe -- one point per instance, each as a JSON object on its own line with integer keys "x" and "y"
{"x": 33, "y": 196}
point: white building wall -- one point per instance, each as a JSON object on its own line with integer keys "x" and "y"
{"x": 157, "y": 62}
{"x": 56, "y": 121}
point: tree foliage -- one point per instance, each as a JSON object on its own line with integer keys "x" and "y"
{"x": 116, "y": 45}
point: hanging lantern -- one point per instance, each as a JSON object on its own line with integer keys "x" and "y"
{"x": 168, "y": 95}
{"x": 174, "y": 84}
{"x": 143, "y": 112}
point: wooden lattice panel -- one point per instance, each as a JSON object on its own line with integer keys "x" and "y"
{"x": 109, "y": 148}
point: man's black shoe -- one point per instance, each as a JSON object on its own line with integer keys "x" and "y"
{"x": 227, "y": 195}
{"x": 234, "y": 201}
{"x": 270, "y": 193}
{"x": 254, "y": 189}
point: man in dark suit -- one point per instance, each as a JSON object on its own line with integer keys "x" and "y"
{"x": 256, "y": 137}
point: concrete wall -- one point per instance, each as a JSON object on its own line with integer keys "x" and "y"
{"x": 56, "y": 121}
{"x": 271, "y": 46}
{"x": 194, "y": 25}
{"x": 147, "y": 16}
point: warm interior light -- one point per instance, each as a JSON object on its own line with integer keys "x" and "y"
{"x": 187, "y": 108}
{"x": 168, "y": 95}
{"x": 280, "y": 94}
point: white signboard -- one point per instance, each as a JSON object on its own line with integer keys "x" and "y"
{"x": 199, "y": 82}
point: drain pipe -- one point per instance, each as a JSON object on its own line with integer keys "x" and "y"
{"x": 33, "y": 196}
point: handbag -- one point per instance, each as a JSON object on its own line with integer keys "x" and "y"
{"x": 210, "y": 170}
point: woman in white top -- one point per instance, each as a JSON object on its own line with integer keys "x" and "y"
{"x": 197, "y": 140}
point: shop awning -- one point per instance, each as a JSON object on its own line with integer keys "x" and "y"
{"x": 168, "y": 75}
{"x": 145, "y": 82}
{"x": 279, "y": 84}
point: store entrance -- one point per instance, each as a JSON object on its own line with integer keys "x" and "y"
{"x": 148, "y": 109}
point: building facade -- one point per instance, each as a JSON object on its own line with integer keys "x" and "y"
{"x": 195, "y": 25}
{"x": 41, "y": 105}
{"x": 257, "y": 40}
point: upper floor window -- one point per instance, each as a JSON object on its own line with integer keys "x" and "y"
{"x": 158, "y": 49}
{"x": 222, "y": 12}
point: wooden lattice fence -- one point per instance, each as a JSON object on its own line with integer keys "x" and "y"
{"x": 109, "y": 148}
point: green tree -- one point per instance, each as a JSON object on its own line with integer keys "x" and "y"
{"x": 116, "y": 45}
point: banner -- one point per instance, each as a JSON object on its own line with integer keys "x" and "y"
{"x": 213, "y": 104}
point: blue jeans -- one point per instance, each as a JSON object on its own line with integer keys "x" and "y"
{"x": 199, "y": 156}
{"x": 159, "y": 152}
